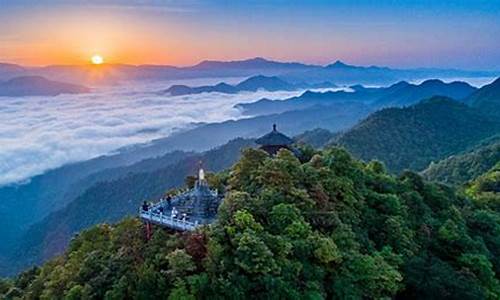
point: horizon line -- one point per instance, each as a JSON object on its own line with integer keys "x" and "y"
{"x": 247, "y": 59}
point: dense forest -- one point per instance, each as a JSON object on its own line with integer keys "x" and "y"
{"x": 486, "y": 187}
{"x": 326, "y": 226}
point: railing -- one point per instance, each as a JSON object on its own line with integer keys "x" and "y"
{"x": 167, "y": 221}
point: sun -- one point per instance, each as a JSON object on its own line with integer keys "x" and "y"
{"x": 96, "y": 59}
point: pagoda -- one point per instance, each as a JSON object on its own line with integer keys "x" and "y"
{"x": 274, "y": 141}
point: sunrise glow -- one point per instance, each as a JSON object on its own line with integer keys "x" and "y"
{"x": 183, "y": 33}
{"x": 96, "y": 59}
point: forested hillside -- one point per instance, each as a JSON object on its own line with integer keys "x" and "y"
{"x": 487, "y": 99}
{"x": 111, "y": 200}
{"x": 459, "y": 169}
{"x": 317, "y": 138}
{"x": 26, "y": 204}
{"x": 327, "y": 227}
{"x": 412, "y": 137}
{"x": 23, "y": 205}
{"x": 486, "y": 188}
{"x": 410, "y": 94}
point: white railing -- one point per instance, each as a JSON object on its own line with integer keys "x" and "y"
{"x": 167, "y": 221}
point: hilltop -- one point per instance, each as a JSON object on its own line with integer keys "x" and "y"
{"x": 325, "y": 227}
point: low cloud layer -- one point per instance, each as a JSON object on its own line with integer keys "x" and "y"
{"x": 42, "y": 133}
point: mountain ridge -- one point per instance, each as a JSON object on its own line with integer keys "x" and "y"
{"x": 487, "y": 99}
{"x": 411, "y": 137}
{"x": 401, "y": 93}
{"x": 251, "y": 84}
{"x": 293, "y": 72}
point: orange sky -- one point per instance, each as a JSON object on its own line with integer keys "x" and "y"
{"x": 73, "y": 37}
{"x": 186, "y": 32}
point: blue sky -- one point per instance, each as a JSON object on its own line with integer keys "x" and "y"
{"x": 461, "y": 34}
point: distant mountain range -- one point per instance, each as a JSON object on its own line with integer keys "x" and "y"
{"x": 292, "y": 72}
{"x": 252, "y": 64}
{"x": 252, "y": 84}
{"x": 342, "y": 73}
{"x": 407, "y": 94}
{"x": 38, "y": 86}
{"x": 399, "y": 94}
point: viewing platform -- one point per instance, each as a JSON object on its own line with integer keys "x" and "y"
{"x": 166, "y": 221}
{"x": 186, "y": 211}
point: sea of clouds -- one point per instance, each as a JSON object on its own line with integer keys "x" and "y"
{"x": 41, "y": 133}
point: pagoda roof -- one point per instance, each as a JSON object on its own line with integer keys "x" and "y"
{"x": 274, "y": 138}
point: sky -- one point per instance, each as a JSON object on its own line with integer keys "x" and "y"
{"x": 451, "y": 34}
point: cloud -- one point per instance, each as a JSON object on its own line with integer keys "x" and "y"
{"x": 42, "y": 133}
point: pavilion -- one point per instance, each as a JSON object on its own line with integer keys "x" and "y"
{"x": 274, "y": 141}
